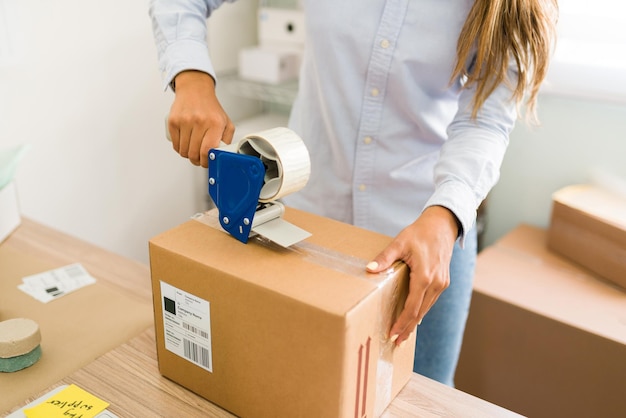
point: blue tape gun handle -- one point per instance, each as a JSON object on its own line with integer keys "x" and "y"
{"x": 235, "y": 182}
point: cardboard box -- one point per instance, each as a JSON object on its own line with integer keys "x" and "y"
{"x": 544, "y": 338}
{"x": 265, "y": 331}
{"x": 588, "y": 226}
{"x": 10, "y": 217}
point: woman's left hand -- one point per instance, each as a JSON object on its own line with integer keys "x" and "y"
{"x": 426, "y": 247}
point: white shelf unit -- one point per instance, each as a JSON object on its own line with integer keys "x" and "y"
{"x": 251, "y": 105}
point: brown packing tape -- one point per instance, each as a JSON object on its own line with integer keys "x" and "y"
{"x": 353, "y": 266}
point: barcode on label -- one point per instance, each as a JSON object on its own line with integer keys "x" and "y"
{"x": 54, "y": 291}
{"x": 196, "y": 353}
{"x": 196, "y": 330}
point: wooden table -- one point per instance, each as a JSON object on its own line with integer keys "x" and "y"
{"x": 80, "y": 326}
{"x": 55, "y": 247}
{"x": 128, "y": 378}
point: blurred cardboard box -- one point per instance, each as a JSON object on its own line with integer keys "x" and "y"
{"x": 544, "y": 337}
{"x": 10, "y": 217}
{"x": 588, "y": 226}
{"x": 265, "y": 331}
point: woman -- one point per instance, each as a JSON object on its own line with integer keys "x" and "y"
{"x": 406, "y": 108}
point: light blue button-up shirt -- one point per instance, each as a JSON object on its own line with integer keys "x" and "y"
{"x": 388, "y": 132}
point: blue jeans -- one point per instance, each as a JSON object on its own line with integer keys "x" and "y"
{"x": 440, "y": 335}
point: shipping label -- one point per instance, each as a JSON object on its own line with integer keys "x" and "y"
{"x": 187, "y": 325}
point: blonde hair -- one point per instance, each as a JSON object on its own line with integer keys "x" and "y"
{"x": 499, "y": 31}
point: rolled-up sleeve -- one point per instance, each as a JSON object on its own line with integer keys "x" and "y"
{"x": 470, "y": 159}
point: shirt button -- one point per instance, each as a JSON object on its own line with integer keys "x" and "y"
{"x": 374, "y": 92}
{"x": 384, "y": 44}
{"x": 367, "y": 140}
{"x": 362, "y": 187}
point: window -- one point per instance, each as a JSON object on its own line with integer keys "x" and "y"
{"x": 590, "y": 56}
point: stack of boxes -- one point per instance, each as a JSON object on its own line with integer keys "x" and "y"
{"x": 546, "y": 334}
{"x": 588, "y": 226}
{"x": 281, "y": 43}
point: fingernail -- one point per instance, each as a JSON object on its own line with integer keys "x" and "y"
{"x": 419, "y": 322}
{"x": 372, "y": 265}
{"x": 393, "y": 338}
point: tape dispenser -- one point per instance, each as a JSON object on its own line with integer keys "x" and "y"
{"x": 246, "y": 182}
{"x": 247, "y": 178}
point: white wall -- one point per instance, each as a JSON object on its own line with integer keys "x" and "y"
{"x": 575, "y": 139}
{"x": 84, "y": 91}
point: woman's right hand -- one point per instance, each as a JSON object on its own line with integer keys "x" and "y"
{"x": 197, "y": 122}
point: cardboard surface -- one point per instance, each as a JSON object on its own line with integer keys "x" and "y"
{"x": 75, "y": 329}
{"x": 588, "y": 226}
{"x": 544, "y": 337}
{"x": 294, "y": 332}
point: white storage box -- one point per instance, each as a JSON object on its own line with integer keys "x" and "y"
{"x": 281, "y": 27}
{"x": 268, "y": 65}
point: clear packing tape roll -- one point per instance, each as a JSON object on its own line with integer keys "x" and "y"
{"x": 285, "y": 157}
{"x": 247, "y": 179}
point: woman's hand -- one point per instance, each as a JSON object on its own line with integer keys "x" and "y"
{"x": 197, "y": 122}
{"x": 426, "y": 247}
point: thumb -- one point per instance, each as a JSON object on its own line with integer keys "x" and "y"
{"x": 383, "y": 260}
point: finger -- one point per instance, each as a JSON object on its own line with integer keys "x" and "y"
{"x": 174, "y": 133}
{"x": 408, "y": 319}
{"x": 195, "y": 143}
{"x": 414, "y": 312}
{"x": 229, "y": 132}
{"x": 213, "y": 141}
{"x": 429, "y": 301}
{"x": 180, "y": 132}
{"x": 384, "y": 259}
{"x": 184, "y": 141}
{"x": 210, "y": 140}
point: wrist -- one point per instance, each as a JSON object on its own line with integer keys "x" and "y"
{"x": 191, "y": 79}
{"x": 445, "y": 218}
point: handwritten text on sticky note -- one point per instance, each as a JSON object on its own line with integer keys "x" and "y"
{"x": 71, "y": 402}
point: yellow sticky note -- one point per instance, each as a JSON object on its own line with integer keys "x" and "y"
{"x": 71, "y": 402}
